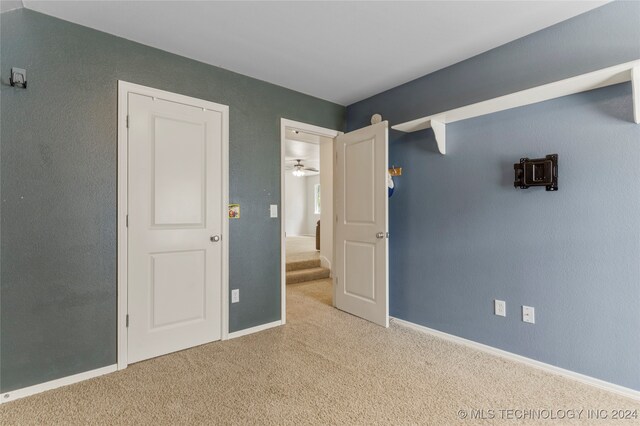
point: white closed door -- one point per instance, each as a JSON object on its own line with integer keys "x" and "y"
{"x": 174, "y": 226}
{"x": 361, "y": 237}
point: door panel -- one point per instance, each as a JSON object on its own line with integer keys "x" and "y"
{"x": 359, "y": 182}
{"x": 179, "y": 178}
{"x": 359, "y": 275}
{"x": 175, "y": 206}
{"x": 178, "y": 288}
{"x": 361, "y": 203}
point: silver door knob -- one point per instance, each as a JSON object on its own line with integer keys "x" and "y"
{"x": 380, "y": 235}
{"x": 215, "y": 238}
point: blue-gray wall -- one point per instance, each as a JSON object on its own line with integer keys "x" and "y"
{"x": 58, "y": 188}
{"x": 461, "y": 235}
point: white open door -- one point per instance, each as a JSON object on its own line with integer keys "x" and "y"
{"x": 175, "y": 252}
{"x": 361, "y": 208}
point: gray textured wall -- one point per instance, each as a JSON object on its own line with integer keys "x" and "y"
{"x": 461, "y": 235}
{"x": 58, "y": 171}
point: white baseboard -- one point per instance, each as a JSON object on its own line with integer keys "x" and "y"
{"x": 255, "y": 329}
{"x": 592, "y": 381}
{"x": 53, "y": 384}
{"x": 324, "y": 262}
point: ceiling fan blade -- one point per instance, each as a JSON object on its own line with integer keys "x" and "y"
{"x": 311, "y": 169}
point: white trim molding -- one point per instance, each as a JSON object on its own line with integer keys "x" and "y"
{"x": 255, "y": 329}
{"x": 124, "y": 88}
{"x": 325, "y": 263}
{"x": 587, "y": 380}
{"x": 53, "y": 384}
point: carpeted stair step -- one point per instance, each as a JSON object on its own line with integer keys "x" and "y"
{"x": 303, "y": 264}
{"x": 310, "y": 274}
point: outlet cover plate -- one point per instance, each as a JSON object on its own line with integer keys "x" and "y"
{"x": 529, "y": 314}
{"x": 235, "y": 295}
{"x": 500, "y": 308}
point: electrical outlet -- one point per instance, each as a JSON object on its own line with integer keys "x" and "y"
{"x": 500, "y": 308}
{"x": 529, "y": 314}
{"x": 273, "y": 210}
{"x": 235, "y": 295}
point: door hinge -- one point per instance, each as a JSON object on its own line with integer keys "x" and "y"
{"x": 127, "y": 321}
{"x": 127, "y": 121}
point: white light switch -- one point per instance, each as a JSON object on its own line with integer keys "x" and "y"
{"x": 274, "y": 210}
{"x": 500, "y": 308}
{"x": 235, "y": 295}
{"x": 528, "y": 314}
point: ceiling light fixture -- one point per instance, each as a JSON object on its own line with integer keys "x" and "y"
{"x": 298, "y": 169}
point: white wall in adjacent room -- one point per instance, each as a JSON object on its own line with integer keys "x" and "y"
{"x": 295, "y": 204}
{"x": 326, "y": 195}
{"x": 312, "y": 218}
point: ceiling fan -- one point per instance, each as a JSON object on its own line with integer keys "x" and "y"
{"x": 299, "y": 169}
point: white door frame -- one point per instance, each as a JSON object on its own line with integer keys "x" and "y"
{"x": 306, "y": 128}
{"x": 124, "y": 88}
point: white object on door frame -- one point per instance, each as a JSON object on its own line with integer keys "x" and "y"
{"x": 124, "y": 89}
{"x": 306, "y": 128}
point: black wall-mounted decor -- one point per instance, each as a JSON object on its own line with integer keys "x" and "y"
{"x": 18, "y": 78}
{"x": 537, "y": 172}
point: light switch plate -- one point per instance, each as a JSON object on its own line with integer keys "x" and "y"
{"x": 274, "y": 210}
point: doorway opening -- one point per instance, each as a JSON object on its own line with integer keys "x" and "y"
{"x": 307, "y": 204}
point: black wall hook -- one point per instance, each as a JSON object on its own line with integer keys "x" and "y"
{"x": 18, "y": 78}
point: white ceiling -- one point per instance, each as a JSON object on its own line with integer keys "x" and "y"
{"x": 338, "y": 51}
{"x": 302, "y": 146}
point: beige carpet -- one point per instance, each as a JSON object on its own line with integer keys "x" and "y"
{"x": 323, "y": 367}
{"x": 301, "y": 248}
